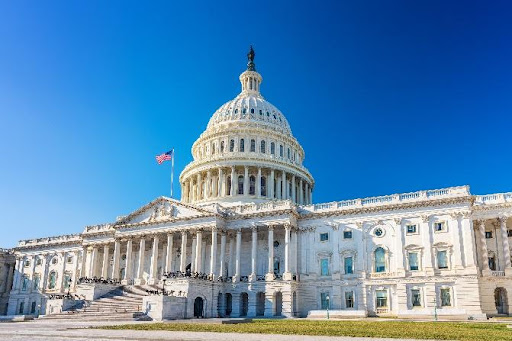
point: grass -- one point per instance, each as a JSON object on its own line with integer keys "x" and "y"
{"x": 389, "y": 329}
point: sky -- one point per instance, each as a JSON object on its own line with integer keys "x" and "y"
{"x": 385, "y": 97}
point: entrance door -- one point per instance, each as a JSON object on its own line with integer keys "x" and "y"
{"x": 198, "y": 307}
{"x": 500, "y": 299}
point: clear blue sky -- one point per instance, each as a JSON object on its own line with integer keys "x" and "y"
{"x": 384, "y": 96}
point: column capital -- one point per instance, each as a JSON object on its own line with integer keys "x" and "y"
{"x": 502, "y": 219}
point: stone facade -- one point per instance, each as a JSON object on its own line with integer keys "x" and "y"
{"x": 246, "y": 239}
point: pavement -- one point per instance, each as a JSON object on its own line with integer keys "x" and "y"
{"x": 38, "y": 330}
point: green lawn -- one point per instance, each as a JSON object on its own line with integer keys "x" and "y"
{"x": 367, "y": 328}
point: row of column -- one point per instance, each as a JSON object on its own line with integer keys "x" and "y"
{"x": 222, "y": 184}
{"x": 483, "y": 251}
{"x": 196, "y": 259}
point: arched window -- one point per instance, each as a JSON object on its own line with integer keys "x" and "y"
{"x": 240, "y": 184}
{"x": 272, "y": 148}
{"x": 232, "y": 145}
{"x": 222, "y": 146}
{"x": 281, "y": 150}
{"x": 263, "y": 186}
{"x": 263, "y": 147}
{"x": 252, "y": 110}
{"x": 380, "y": 260}
{"x": 252, "y": 185}
{"x": 52, "y": 280}
{"x": 288, "y": 152}
{"x": 213, "y": 148}
{"x": 242, "y": 145}
{"x": 253, "y": 145}
{"x": 228, "y": 186}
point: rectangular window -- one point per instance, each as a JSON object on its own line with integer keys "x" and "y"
{"x": 324, "y": 237}
{"x": 22, "y": 308}
{"x": 492, "y": 263}
{"x": 349, "y": 299}
{"x": 382, "y": 298}
{"x": 33, "y": 308}
{"x": 446, "y": 300}
{"x": 347, "y": 234}
{"x": 281, "y": 150}
{"x": 442, "y": 260}
{"x": 349, "y": 265}
{"x": 411, "y": 229}
{"x": 67, "y": 280}
{"x": 231, "y": 145}
{"x": 488, "y": 234}
{"x": 438, "y": 227}
{"x": 36, "y": 282}
{"x": 70, "y": 259}
{"x": 509, "y": 233}
{"x": 413, "y": 261}
{"x": 24, "y": 283}
{"x": 39, "y": 261}
{"x": 324, "y": 266}
{"x": 324, "y": 300}
{"x": 253, "y": 146}
{"x": 416, "y": 298}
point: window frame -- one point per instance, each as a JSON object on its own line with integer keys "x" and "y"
{"x": 323, "y": 234}
{"x": 411, "y": 232}
{"x": 347, "y": 231}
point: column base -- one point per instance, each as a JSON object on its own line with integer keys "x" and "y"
{"x": 486, "y": 272}
{"x": 287, "y": 276}
{"x": 152, "y": 281}
{"x": 270, "y": 276}
{"x": 236, "y": 279}
{"x": 139, "y": 281}
{"x": 508, "y": 272}
{"x": 252, "y": 278}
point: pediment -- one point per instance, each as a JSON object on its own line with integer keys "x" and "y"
{"x": 163, "y": 209}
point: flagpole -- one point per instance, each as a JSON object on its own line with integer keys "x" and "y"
{"x": 172, "y": 172}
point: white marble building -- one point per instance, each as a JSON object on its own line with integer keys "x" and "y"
{"x": 247, "y": 221}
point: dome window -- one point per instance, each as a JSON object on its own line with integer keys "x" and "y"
{"x": 242, "y": 145}
{"x": 272, "y": 148}
{"x": 252, "y": 185}
{"x": 268, "y": 114}
{"x": 263, "y": 146}
{"x": 236, "y": 111}
{"x": 231, "y": 145}
{"x": 263, "y": 186}
{"x": 281, "y": 150}
{"x": 253, "y": 145}
{"x": 275, "y": 118}
{"x": 252, "y": 110}
{"x": 244, "y": 110}
{"x": 261, "y": 113}
{"x": 222, "y": 146}
{"x": 240, "y": 185}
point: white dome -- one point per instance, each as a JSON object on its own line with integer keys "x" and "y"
{"x": 247, "y": 153}
{"x": 250, "y": 107}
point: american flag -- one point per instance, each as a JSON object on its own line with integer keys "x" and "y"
{"x": 165, "y": 156}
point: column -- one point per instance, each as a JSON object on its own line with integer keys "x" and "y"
{"x": 295, "y": 244}
{"x": 208, "y": 187}
{"x": 484, "y": 254}
{"x": 46, "y": 268}
{"x": 284, "y": 195}
{"x": 129, "y": 265}
{"x": 222, "y": 254}
{"x": 294, "y": 194}
{"x": 310, "y": 194}
{"x": 10, "y": 273}
{"x": 456, "y": 231}
{"x": 193, "y": 255}
{"x": 104, "y": 269}
{"x": 168, "y": 254}
{"x": 17, "y": 273}
{"x": 140, "y": 269}
{"x": 153, "y": 275}
{"x": 92, "y": 266}
{"x": 60, "y": 276}
{"x": 221, "y": 182}
{"x": 183, "y": 259}
{"x": 254, "y": 248}
{"x": 426, "y": 234}
{"x": 258, "y": 184}
{"x": 233, "y": 182}
{"x": 270, "y": 274}
{"x": 198, "y": 187}
{"x": 506, "y": 246}
{"x": 198, "y": 258}
{"x": 213, "y": 255}
{"x": 301, "y": 192}
{"x": 117, "y": 259}
{"x": 215, "y": 189}
{"x": 270, "y": 185}
{"x": 238, "y": 251}
{"x": 246, "y": 180}
{"x": 84, "y": 262}
{"x": 33, "y": 271}
{"x": 306, "y": 197}
{"x": 287, "y": 274}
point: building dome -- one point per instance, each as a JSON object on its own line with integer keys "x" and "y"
{"x": 247, "y": 153}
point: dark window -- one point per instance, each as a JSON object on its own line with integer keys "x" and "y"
{"x": 263, "y": 147}
{"x": 411, "y": 228}
{"x": 488, "y": 234}
{"x": 253, "y": 145}
{"x": 222, "y": 146}
{"x": 347, "y": 234}
{"x": 231, "y": 145}
{"x": 242, "y": 145}
{"x": 252, "y": 185}
{"x": 240, "y": 185}
{"x": 324, "y": 237}
{"x": 263, "y": 186}
{"x": 281, "y": 150}
{"x": 273, "y": 149}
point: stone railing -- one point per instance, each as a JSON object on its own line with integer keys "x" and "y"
{"x": 265, "y": 206}
{"x": 393, "y": 199}
{"x": 98, "y": 228}
{"x": 498, "y": 273}
{"x": 50, "y": 240}
{"x": 381, "y": 274}
{"x": 492, "y": 199}
{"x": 6, "y": 251}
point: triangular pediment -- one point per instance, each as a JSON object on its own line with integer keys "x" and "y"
{"x": 163, "y": 209}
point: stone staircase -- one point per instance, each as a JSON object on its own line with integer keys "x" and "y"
{"x": 123, "y": 303}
